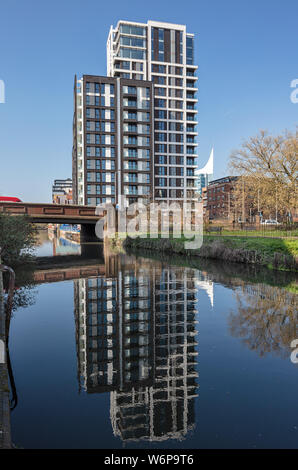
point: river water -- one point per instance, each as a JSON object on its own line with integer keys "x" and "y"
{"x": 138, "y": 351}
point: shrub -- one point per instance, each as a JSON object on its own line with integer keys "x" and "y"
{"x": 17, "y": 239}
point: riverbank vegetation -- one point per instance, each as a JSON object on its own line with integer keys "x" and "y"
{"x": 273, "y": 253}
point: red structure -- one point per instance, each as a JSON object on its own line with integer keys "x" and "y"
{"x": 9, "y": 199}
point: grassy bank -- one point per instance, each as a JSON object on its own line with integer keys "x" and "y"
{"x": 273, "y": 253}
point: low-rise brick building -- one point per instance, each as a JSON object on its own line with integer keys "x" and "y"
{"x": 219, "y": 198}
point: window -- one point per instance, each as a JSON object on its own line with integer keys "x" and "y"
{"x": 112, "y": 89}
{"x": 130, "y": 29}
{"x": 161, "y": 137}
{"x": 126, "y": 53}
{"x": 143, "y": 116}
{"x": 159, "y": 114}
{"x": 131, "y": 90}
{"x": 161, "y": 181}
{"x": 160, "y": 91}
{"x": 130, "y": 41}
{"x": 158, "y": 68}
{"x": 159, "y": 80}
{"x": 130, "y": 115}
{"x": 132, "y": 140}
{"x": 189, "y": 50}
{"x": 161, "y": 51}
{"x": 162, "y": 159}
{"x": 161, "y": 148}
{"x": 159, "y": 103}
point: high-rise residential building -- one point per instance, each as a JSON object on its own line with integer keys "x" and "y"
{"x": 62, "y": 191}
{"x": 164, "y": 54}
{"x": 113, "y": 140}
{"x": 135, "y": 130}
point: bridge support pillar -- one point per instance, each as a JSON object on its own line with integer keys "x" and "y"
{"x": 88, "y": 233}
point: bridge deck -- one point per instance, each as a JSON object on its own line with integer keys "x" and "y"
{"x": 52, "y": 213}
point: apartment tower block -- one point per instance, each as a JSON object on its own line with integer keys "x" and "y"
{"x": 135, "y": 130}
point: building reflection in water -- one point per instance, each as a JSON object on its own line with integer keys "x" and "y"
{"x": 137, "y": 339}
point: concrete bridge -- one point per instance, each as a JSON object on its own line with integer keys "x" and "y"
{"x": 56, "y": 214}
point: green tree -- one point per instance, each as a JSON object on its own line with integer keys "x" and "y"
{"x": 17, "y": 239}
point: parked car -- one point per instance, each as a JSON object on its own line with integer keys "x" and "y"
{"x": 270, "y": 222}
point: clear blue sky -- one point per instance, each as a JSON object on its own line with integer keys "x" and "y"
{"x": 246, "y": 52}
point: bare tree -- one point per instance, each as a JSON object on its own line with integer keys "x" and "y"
{"x": 267, "y": 166}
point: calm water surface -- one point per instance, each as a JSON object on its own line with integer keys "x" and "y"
{"x": 136, "y": 352}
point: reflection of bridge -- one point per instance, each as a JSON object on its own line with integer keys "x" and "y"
{"x": 66, "y": 274}
{"x": 55, "y": 214}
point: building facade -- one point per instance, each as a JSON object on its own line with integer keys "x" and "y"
{"x": 113, "y": 140}
{"x": 62, "y": 191}
{"x": 218, "y": 198}
{"x": 163, "y": 53}
{"x": 135, "y": 130}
